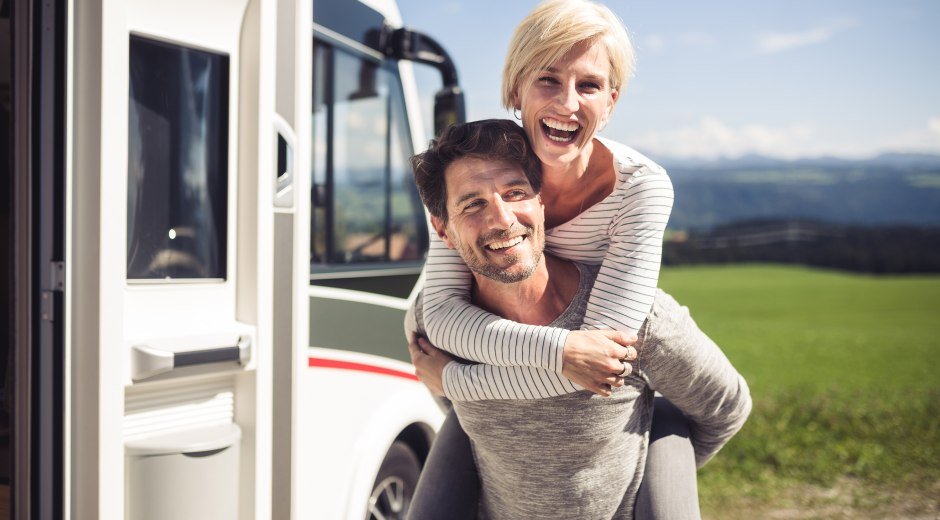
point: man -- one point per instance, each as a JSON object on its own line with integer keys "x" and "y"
{"x": 577, "y": 455}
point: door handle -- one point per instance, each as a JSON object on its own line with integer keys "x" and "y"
{"x": 284, "y": 166}
{"x": 147, "y": 361}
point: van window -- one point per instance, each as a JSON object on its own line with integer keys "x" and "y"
{"x": 177, "y": 168}
{"x": 366, "y": 209}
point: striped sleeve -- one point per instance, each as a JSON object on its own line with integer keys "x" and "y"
{"x": 474, "y": 382}
{"x": 464, "y": 382}
{"x": 454, "y": 324}
{"x": 626, "y": 284}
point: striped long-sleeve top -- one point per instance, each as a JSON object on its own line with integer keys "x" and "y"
{"x": 623, "y": 233}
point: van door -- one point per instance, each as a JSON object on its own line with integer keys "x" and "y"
{"x": 171, "y": 274}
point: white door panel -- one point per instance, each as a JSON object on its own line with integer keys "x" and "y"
{"x": 170, "y": 252}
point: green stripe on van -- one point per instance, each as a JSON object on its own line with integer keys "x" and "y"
{"x": 358, "y": 327}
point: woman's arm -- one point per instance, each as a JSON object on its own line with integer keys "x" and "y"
{"x": 455, "y": 325}
{"x": 461, "y": 381}
{"x": 466, "y": 382}
{"x": 626, "y": 283}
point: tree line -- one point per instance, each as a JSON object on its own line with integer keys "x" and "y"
{"x": 867, "y": 249}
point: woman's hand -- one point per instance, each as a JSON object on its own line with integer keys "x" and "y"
{"x": 429, "y": 362}
{"x": 598, "y": 359}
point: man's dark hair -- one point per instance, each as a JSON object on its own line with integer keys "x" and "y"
{"x": 499, "y": 139}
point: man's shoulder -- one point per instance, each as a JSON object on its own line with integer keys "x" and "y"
{"x": 588, "y": 270}
{"x": 588, "y": 274}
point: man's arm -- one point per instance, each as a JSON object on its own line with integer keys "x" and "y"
{"x": 689, "y": 369}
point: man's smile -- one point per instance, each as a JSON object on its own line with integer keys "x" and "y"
{"x": 502, "y": 246}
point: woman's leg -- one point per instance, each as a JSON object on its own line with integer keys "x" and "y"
{"x": 669, "y": 488}
{"x": 449, "y": 487}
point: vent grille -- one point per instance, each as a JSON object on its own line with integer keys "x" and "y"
{"x": 154, "y": 411}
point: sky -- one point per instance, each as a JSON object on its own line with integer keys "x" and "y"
{"x": 725, "y": 78}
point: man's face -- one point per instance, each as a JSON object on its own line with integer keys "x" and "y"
{"x": 496, "y": 220}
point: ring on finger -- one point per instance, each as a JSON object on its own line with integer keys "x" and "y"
{"x": 626, "y": 369}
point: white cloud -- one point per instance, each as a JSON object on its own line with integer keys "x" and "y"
{"x": 933, "y": 125}
{"x": 452, "y": 7}
{"x": 712, "y": 138}
{"x": 921, "y": 140}
{"x": 653, "y": 43}
{"x": 783, "y": 41}
{"x": 656, "y": 43}
{"x": 696, "y": 39}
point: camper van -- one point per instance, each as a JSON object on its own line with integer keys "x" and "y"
{"x": 212, "y": 238}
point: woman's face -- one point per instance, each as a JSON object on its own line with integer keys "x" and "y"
{"x": 564, "y": 105}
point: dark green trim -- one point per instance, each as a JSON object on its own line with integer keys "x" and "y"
{"x": 358, "y": 327}
{"x": 399, "y": 286}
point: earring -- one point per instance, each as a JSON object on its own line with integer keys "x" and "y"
{"x": 517, "y": 113}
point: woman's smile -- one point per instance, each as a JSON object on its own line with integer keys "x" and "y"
{"x": 559, "y": 131}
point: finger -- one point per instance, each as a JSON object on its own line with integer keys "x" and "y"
{"x": 614, "y": 381}
{"x": 614, "y": 366}
{"x": 621, "y": 337}
{"x": 414, "y": 349}
{"x": 602, "y": 390}
{"x": 627, "y": 370}
{"x": 623, "y": 369}
{"x": 426, "y": 346}
{"x": 619, "y": 351}
{"x": 630, "y": 355}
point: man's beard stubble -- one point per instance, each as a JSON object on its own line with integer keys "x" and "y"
{"x": 480, "y": 266}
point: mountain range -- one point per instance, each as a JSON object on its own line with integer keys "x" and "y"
{"x": 886, "y": 190}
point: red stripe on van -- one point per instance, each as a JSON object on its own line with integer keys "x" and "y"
{"x": 362, "y": 367}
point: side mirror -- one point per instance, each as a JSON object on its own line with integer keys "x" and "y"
{"x": 448, "y": 108}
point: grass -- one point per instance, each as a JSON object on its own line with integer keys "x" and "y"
{"x": 843, "y": 372}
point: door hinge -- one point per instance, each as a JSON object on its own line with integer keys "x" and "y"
{"x": 56, "y": 276}
{"x": 46, "y": 306}
{"x": 56, "y": 284}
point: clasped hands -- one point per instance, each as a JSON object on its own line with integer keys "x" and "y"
{"x": 597, "y": 360}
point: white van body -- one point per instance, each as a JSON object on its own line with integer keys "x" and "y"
{"x": 229, "y": 318}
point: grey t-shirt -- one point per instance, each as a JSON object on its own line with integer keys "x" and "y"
{"x": 582, "y": 456}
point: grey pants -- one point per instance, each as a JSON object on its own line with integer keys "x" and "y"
{"x": 449, "y": 487}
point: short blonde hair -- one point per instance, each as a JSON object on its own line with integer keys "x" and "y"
{"x": 552, "y": 29}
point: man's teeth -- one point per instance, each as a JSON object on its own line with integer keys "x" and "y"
{"x": 560, "y": 125}
{"x": 503, "y": 245}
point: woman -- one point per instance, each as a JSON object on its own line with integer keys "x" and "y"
{"x": 604, "y": 203}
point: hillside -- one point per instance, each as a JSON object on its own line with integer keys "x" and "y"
{"x": 894, "y": 189}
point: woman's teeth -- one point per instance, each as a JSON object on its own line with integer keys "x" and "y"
{"x": 503, "y": 245}
{"x": 560, "y": 131}
{"x": 560, "y": 125}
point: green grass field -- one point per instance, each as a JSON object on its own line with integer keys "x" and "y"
{"x": 843, "y": 370}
